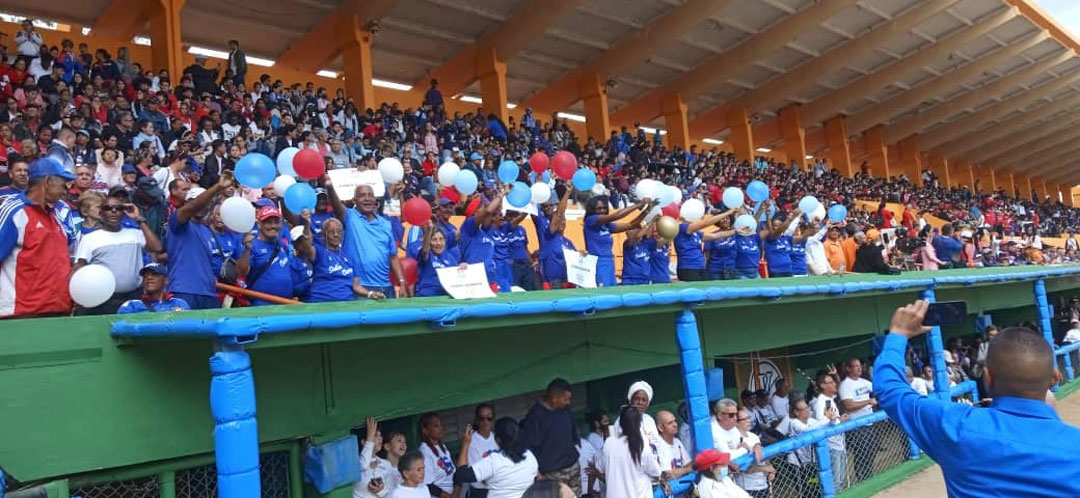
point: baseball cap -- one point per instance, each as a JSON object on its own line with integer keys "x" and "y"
{"x": 320, "y": 191}
{"x": 48, "y": 166}
{"x": 128, "y": 168}
{"x": 194, "y": 192}
{"x": 296, "y": 232}
{"x": 444, "y": 201}
{"x": 475, "y": 156}
{"x": 709, "y": 458}
{"x": 267, "y": 212}
{"x": 149, "y": 185}
{"x": 157, "y": 268}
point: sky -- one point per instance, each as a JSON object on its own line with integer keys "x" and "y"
{"x": 1067, "y": 12}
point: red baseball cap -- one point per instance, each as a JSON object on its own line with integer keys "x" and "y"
{"x": 267, "y": 212}
{"x": 709, "y": 458}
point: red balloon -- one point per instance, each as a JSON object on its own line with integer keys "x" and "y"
{"x": 539, "y": 162}
{"x": 564, "y": 164}
{"x": 308, "y": 164}
{"x": 416, "y": 211}
{"x": 408, "y": 266}
{"x": 671, "y": 210}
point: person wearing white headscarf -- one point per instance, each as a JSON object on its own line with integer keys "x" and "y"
{"x": 640, "y": 395}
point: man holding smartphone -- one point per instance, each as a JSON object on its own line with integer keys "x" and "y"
{"x": 1016, "y": 447}
{"x": 824, "y": 407}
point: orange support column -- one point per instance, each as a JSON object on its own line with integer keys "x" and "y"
{"x": 940, "y": 166}
{"x": 593, "y": 91}
{"x": 678, "y": 131}
{"x": 1053, "y": 191}
{"x": 166, "y": 51}
{"x": 986, "y": 179}
{"x": 910, "y": 162}
{"x": 1004, "y": 181}
{"x": 354, "y": 41}
{"x": 794, "y": 136}
{"x": 742, "y": 135}
{"x": 839, "y": 150}
{"x": 876, "y": 151}
{"x": 1023, "y": 186}
{"x": 1039, "y": 186}
{"x": 492, "y": 74}
{"x": 963, "y": 174}
{"x": 1072, "y": 196}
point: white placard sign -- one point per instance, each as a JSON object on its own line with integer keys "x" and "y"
{"x": 470, "y": 283}
{"x": 529, "y": 208}
{"x": 346, "y": 179}
{"x": 580, "y": 270}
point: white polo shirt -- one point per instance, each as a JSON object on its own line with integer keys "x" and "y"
{"x": 857, "y": 390}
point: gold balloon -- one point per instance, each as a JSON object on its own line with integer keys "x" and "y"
{"x": 667, "y": 227}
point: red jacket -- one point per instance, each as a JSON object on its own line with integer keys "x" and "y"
{"x": 34, "y": 260}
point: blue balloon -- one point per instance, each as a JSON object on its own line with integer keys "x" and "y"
{"x": 584, "y": 179}
{"x": 508, "y": 171}
{"x": 837, "y": 212}
{"x": 766, "y": 214}
{"x": 757, "y": 190}
{"x": 465, "y": 182}
{"x": 300, "y": 196}
{"x": 255, "y": 170}
{"x": 547, "y": 176}
{"x": 519, "y": 195}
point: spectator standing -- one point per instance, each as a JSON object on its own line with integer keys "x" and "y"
{"x": 598, "y": 228}
{"x": 154, "y": 299}
{"x": 333, "y": 277}
{"x": 506, "y": 470}
{"x": 755, "y": 480}
{"x": 369, "y": 241}
{"x": 237, "y": 62}
{"x": 780, "y": 401}
{"x": 947, "y": 246}
{"x": 379, "y": 477}
{"x": 640, "y": 395}
{"x": 802, "y": 459}
{"x": 724, "y": 431}
{"x": 28, "y": 41}
{"x": 856, "y": 393}
{"x": 551, "y": 434}
{"x": 19, "y": 175}
{"x": 825, "y": 406}
{"x": 267, "y": 260}
{"x": 629, "y": 463}
{"x": 34, "y": 247}
{"x": 189, "y": 243}
{"x": 411, "y": 466}
{"x": 482, "y": 443}
{"x": 438, "y": 462}
{"x": 120, "y": 249}
{"x": 61, "y": 147}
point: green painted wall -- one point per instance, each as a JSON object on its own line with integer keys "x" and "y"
{"x": 74, "y": 401}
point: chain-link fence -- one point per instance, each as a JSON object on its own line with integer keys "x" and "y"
{"x": 870, "y": 450}
{"x": 146, "y": 487}
{"x": 786, "y": 475}
{"x": 201, "y": 482}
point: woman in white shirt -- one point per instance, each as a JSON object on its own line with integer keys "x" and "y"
{"x": 628, "y": 465}
{"x": 379, "y": 472}
{"x": 438, "y": 462}
{"x": 799, "y": 422}
{"x": 506, "y": 473}
{"x": 640, "y": 396}
{"x": 411, "y": 469}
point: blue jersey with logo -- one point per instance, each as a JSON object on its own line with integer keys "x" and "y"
{"x": 478, "y": 246}
{"x": 301, "y": 274}
{"x": 747, "y": 251}
{"x": 332, "y": 276}
{"x": 722, "y": 254}
{"x": 450, "y": 231}
{"x": 597, "y": 236}
{"x": 227, "y": 244}
{"x": 519, "y": 242}
{"x": 502, "y": 242}
{"x": 317, "y": 220}
{"x": 165, "y": 305}
{"x": 688, "y": 249}
{"x": 427, "y": 281}
{"x": 189, "y": 246}
{"x": 798, "y": 258}
{"x": 277, "y": 278}
{"x": 636, "y": 257}
{"x": 778, "y": 253}
{"x": 659, "y": 262}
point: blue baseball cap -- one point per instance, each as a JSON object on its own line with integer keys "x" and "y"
{"x": 475, "y": 157}
{"x": 48, "y": 166}
{"x": 128, "y": 168}
{"x": 157, "y": 268}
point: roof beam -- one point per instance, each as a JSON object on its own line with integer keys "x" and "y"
{"x": 121, "y": 20}
{"x": 1033, "y": 160}
{"x": 1025, "y": 140}
{"x": 1054, "y": 171}
{"x": 970, "y": 100}
{"x": 1040, "y": 139}
{"x": 961, "y": 149}
{"x": 722, "y": 67}
{"x": 319, "y": 46}
{"x": 791, "y": 82}
{"x": 631, "y": 50}
{"x": 968, "y": 124}
{"x": 839, "y": 99}
{"x": 934, "y": 88}
{"x": 507, "y": 39}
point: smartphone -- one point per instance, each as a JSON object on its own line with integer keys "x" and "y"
{"x": 945, "y": 314}
{"x": 828, "y": 404}
{"x": 376, "y": 481}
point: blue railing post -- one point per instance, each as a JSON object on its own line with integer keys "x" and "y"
{"x": 936, "y": 346}
{"x": 236, "y": 435}
{"x": 693, "y": 370}
{"x": 825, "y": 472}
{"x": 1046, "y": 322}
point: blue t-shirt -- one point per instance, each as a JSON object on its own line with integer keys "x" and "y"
{"x": 519, "y": 242}
{"x": 413, "y": 249}
{"x": 301, "y": 275}
{"x": 636, "y": 260}
{"x": 166, "y": 305}
{"x": 317, "y": 220}
{"x": 946, "y": 247}
{"x": 501, "y": 235}
{"x": 543, "y": 233}
{"x": 189, "y": 246}
{"x": 332, "y": 276}
{"x": 659, "y": 262}
{"x": 450, "y": 231}
{"x": 277, "y": 278}
{"x": 597, "y": 236}
{"x": 722, "y": 254}
{"x": 478, "y": 246}
{"x": 369, "y": 244}
{"x": 778, "y": 253}
{"x": 747, "y": 251}
{"x": 226, "y": 245}
{"x": 798, "y": 258}
{"x": 688, "y": 249}
{"x": 427, "y": 281}
{"x": 552, "y": 261}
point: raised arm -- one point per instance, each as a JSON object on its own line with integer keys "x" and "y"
{"x": 636, "y": 222}
{"x": 484, "y": 215}
{"x": 190, "y": 208}
{"x": 635, "y": 236}
{"x": 778, "y": 229}
{"x": 709, "y": 220}
{"x": 335, "y": 201}
{"x": 558, "y": 220}
{"x": 305, "y": 247}
{"x": 620, "y": 214}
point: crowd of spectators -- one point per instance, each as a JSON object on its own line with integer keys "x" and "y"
{"x": 105, "y": 162}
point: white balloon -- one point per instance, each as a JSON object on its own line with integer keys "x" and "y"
{"x": 282, "y": 183}
{"x": 653, "y": 213}
{"x": 808, "y": 204}
{"x": 646, "y": 189}
{"x": 692, "y": 210}
{"x": 819, "y": 213}
{"x": 92, "y": 285}
{"x": 284, "y": 161}
{"x": 745, "y": 222}
{"x": 447, "y": 172}
{"x": 541, "y": 193}
{"x": 238, "y": 214}
{"x": 391, "y": 169}
{"x": 599, "y": 189}
{"x": 669, "y": 194}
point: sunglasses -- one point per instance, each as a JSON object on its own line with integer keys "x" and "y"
{"x": 108, "y": 209}
{"x": 729, "y": 415}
